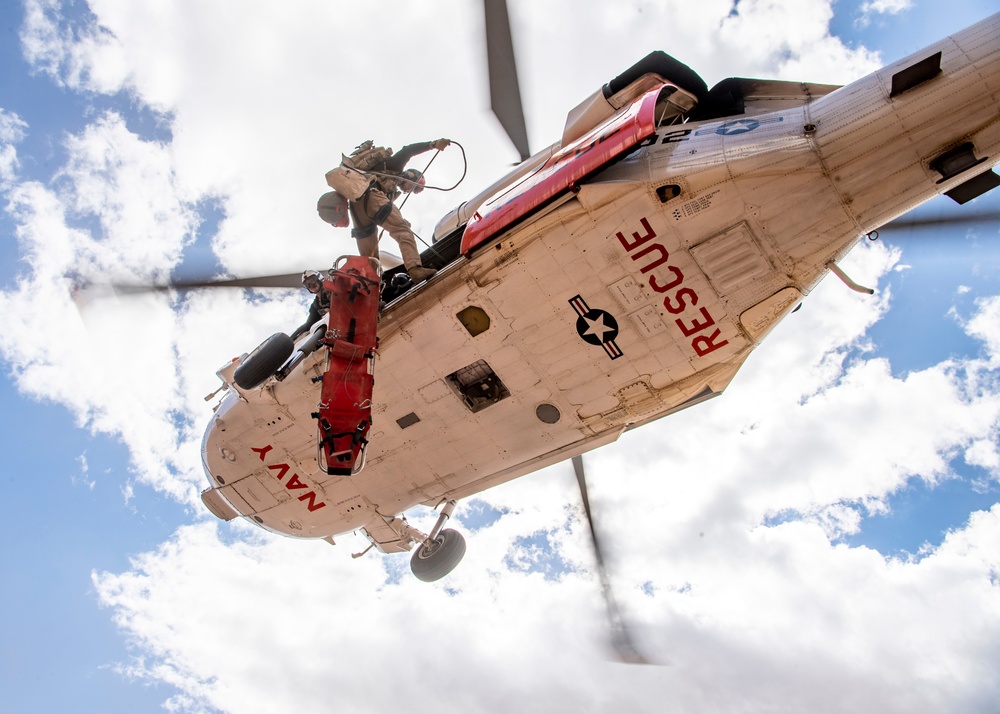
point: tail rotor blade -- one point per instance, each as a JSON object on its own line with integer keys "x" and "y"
{"x": 505, "y": 91}
{"x": 622, "y": 643}
{"x": 953, "y": 219}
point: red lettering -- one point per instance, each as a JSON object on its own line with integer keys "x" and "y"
{"x": 681, "y": 305}
{"x": 678, "y": 279}
{"x": 656, "y": 263}
{"x": 703, "y": 345}
{"x": 695, "y": 325}
{"x": 684, "y": 298}
{"x": 639, "y": 240}
{"x": 311, "y": 497}
{"x": 281, "y": 468}
{"x": 294, "y": 483}
{"x": 261, "y": 452}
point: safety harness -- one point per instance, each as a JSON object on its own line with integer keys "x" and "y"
{"x": 361, "y": 231}
{"x": 366, "y": 157}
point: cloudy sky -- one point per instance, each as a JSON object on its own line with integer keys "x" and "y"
{"x": 823, "y": 537}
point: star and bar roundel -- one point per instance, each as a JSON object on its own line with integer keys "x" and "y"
{"x": 596, "y": 327}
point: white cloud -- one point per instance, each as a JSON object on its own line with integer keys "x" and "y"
{"x": 114, "y": 211}
{"x": 792, "y": 41}
{"x": 983, "y": 453}
{"x": 81, "y": 54}
{"x": 11, "y": 127}
{"x": 885, "y": 7}
{"x": 83, "y": 477}
{"x": 870, "y": 8}
{"x": 985, "y": 325}
{"x": 890, "y": 7}
{"x": 12, "y": 131}
{"x": 128, "y": 186}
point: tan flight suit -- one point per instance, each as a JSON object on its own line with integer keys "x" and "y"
{"x": 395, "y": 225}
{"x": 371, "y": 196}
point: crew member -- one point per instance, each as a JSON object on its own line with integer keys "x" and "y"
{"x": 312, "y": 281}
{"x": 371, "y": 178}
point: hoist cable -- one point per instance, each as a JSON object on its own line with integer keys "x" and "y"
{"x": 465, "y": 170}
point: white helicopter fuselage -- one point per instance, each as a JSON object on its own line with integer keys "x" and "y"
{"x": 636, "y": 294}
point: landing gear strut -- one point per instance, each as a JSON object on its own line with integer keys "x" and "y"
{"x": 437, "y": 554}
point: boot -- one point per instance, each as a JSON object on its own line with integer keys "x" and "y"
{"x": 420, "y": 273}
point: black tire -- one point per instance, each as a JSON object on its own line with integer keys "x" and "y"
{"x": 433, "y": 563}
{"x": 263, "y": 361}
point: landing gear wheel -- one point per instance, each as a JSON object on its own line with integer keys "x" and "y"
{"x": 433, "y": 562}
{"x": 263, "y": 361}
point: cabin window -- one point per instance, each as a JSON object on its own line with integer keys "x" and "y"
{"x": 547, "y": 413}
{"x": 477, "y": 385}
{"x": 474, "y": 319}
{"x": 670, "y": 190}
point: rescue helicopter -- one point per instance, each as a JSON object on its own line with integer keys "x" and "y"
{"x": 620, "y": 275}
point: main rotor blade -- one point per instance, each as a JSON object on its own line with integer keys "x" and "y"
{"x": 287, "y": 280}
{"x": 620, "y": 640}
{"x": 505, "y": 91}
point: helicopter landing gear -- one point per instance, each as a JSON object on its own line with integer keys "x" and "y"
{"x": 432, "y": 562}
{"x": 434, "y": 555}
{"x": 303, "y": 350}
{"x": 439, "y": 553}
{"x": 263, "y": 361}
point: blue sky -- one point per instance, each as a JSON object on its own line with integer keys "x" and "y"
{"x": 59, "y": 648}
{"x": 110, "y": 562}
{"x": 925, "y": 332}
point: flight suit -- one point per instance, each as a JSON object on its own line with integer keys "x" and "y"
{"x": 374, "y": 208}
{"x": 365, "y": 211}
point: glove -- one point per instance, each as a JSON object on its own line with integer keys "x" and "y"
{"x": 441, "y": 144}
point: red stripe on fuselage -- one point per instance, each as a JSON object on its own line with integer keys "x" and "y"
{"x": 563, "y": 169}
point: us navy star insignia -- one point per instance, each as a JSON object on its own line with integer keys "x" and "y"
{"x": 738, "y": 126}
{"x": 596, "y": 327}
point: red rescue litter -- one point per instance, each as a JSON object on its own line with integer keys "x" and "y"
{"x": 345, "y": 408}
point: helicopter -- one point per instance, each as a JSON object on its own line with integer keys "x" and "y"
{"x": 622, "y": 274}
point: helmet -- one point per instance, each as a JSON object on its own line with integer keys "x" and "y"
{"x": 401, "y": 280}
{"x": 312, "y": 280}
{"x": 332, "y": 208}
{"x": 413, "y": 181}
